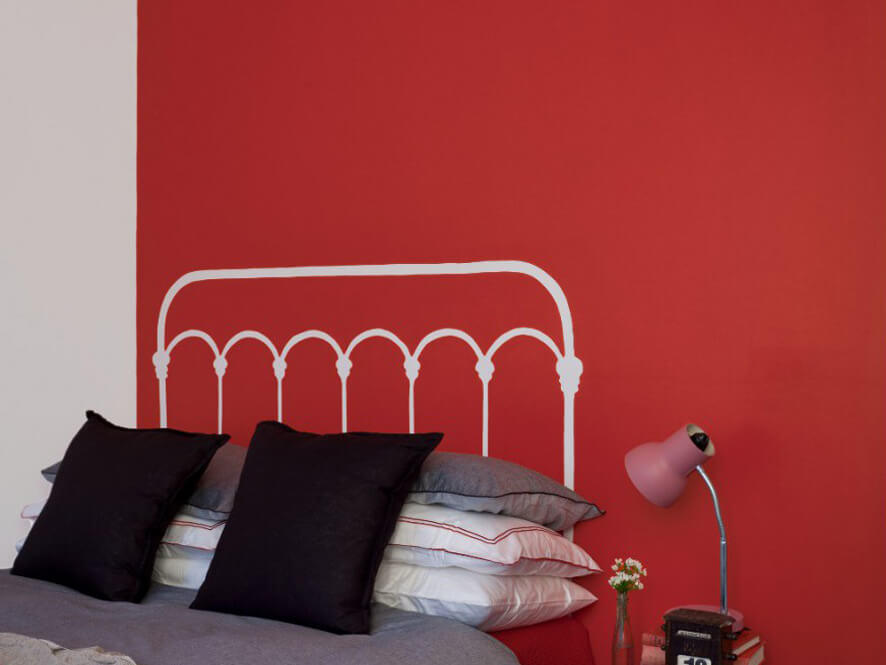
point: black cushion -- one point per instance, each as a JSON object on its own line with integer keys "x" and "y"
{"x": 310, "y": 522}
{"x": 213, "y": 496}
{"x": 112, "y": 500}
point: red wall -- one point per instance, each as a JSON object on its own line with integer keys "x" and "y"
{"x": 706, "y": 181}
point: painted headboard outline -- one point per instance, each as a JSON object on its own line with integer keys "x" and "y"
{"x": 568, "y": 366}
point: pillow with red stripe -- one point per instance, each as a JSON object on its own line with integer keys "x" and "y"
{"x": 184, "y": 530}
{"x": 488, "y": 602}
{"x": 439, "y": 537}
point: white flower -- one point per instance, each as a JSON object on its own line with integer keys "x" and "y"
{"x": 628, "y": 573}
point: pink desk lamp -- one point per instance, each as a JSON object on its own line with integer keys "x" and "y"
{"x": 660, "y": 472}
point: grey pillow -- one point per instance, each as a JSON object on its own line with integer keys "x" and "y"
{"x": 491, "y": 485}
{"x": 213, "y": 497}
{"x": 51, "y": 471}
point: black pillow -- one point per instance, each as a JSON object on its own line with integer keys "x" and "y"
{"x": 310, "y": 522}
{"x": 112, "y": 500}
{"x": 213, "y": 496}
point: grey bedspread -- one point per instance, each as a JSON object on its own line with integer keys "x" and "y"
{"x": 161, "y": 630}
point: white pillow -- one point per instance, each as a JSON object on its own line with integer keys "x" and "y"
{"x": 434, "y": 536}
{"x": 195, "y": 532}
{"x": 30, "y": 513}
{"x": 184, "y": 554}
{"x": 438, "y": 537}
{"x": 489, "y": 602}
{"x": 185, "y": 530}
{"x": 180, "y": 566}
{"x": 32, "y": 510}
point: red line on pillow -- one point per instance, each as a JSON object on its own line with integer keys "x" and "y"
{"x": 501, "y": 563}
{"x": 193, "y": 547}
{"x": 471, "y": 534}
{"x": 197, "y": 525}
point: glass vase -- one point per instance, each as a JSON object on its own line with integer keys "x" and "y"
{"x": 622, "y": 638}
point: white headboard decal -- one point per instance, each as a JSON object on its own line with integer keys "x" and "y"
{"x": 568, "y": 366}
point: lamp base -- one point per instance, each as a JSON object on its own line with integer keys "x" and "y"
{"x": 738, "y": 617}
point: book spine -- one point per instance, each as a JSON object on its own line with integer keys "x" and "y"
{"x": 652, "y": 655}
{"x": 753, "y": 657}
{"x": 746, "y": 641}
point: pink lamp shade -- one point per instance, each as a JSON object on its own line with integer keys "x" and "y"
{"x": 659, "y": 470}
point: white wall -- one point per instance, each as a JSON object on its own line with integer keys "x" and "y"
{"x": 67, "y": 233}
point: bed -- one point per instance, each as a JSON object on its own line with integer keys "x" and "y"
{"x": 162, "y": 630}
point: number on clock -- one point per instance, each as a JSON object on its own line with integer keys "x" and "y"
{"x": 692, "y": 660}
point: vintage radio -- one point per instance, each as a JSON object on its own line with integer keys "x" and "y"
{"x": 696, "y": 637}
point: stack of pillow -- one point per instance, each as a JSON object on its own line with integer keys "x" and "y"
{"x": 476, "y": 540}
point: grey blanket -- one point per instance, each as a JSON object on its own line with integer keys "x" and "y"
{"x": 162, "y": 630}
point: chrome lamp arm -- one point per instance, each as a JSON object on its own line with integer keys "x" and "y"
{"x": 723, "y": 598}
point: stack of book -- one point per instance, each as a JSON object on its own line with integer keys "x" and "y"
{"x": 747, "y": 647}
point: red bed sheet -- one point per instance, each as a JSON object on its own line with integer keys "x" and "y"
{"x": 560, "y": 642}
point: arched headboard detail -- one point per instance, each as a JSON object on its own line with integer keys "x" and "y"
{"x": 568, "y": 366}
